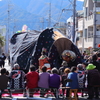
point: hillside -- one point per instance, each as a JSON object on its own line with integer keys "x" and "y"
{"x": 34, "y": 13}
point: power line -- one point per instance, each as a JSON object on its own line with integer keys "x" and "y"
{"x": 65, "y": 9}
{"x": 61, "y": 11}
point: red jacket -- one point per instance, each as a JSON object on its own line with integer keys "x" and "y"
{"x": 32, "y": 79}
{"x": 42, "y": 61}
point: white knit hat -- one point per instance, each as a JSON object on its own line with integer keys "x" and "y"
{"x": 47, "y": 65}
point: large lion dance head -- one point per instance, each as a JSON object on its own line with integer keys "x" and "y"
{"x": 68, "y": 55}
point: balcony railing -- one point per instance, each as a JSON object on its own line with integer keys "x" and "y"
{"x": 96, "y": 0}
{"x": 90, "y": 17}
{"x": 98, "y": 33}
{"x": 90, "y": 39}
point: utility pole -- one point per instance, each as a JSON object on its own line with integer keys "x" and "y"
{"x": 74, "y": 20}
{"x": 7, "y": 33}
{"x": 49, "y": 23}
{"x": 8, "y": 19}
{"x": 74, "y": 15}
{"x": 42, "y": 22}
{"x": 83, "y": 33}
{"x": 14, "y": 28}
{"x": 8, "y": 26}
{"x": 94, "y": 26}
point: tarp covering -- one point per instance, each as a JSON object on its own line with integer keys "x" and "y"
{"x": 26, "y": 47}
{"x": 21, "y": 48}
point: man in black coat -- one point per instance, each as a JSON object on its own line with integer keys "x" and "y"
{"x": 95, "y": 62}
{"x": 3, "y": 58}
{"x": 93, "y": 78}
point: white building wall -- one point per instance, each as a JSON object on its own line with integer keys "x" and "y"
{"x": 89, "y": 23}
{"x": 98, "y": 19}
{"x": 80, "y": 24}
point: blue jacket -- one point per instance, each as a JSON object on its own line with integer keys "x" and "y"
{"x": 74, "y": 84}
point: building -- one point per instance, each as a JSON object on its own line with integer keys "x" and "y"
{"x": 89, "y": 25}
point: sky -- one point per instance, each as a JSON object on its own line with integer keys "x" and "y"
{"x": 33, "y": 13}
{"x": 80, "y": 0}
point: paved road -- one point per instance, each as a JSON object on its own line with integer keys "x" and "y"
{"x": 7, "y": 66}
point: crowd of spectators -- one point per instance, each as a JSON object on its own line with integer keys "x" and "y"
{"x": 84, "y": 75}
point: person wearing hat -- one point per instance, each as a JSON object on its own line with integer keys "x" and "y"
{"x": 93, "y": 78}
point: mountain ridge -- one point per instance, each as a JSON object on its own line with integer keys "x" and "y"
{"x": 33, "y": 13}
